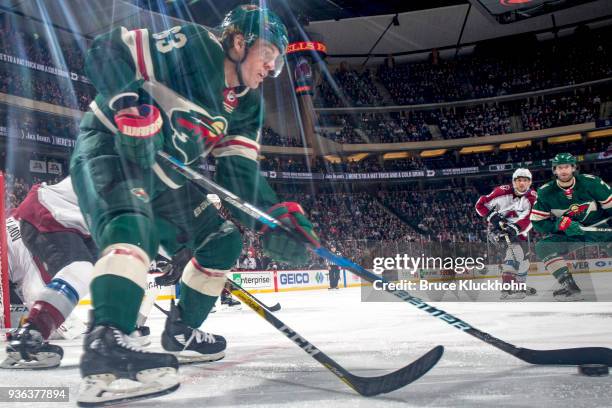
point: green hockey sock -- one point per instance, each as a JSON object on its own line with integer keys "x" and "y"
{"x": 195, "y": 306}
{"x": 116, "y": 301}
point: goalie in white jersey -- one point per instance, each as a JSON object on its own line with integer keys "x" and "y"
{"x": 507, "y": 209}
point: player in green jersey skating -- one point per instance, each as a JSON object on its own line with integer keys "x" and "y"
{"x": 570, "y": 209}
{"x": 190, "y": 94}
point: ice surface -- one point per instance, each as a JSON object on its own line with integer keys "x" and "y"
{"x": 264, "y": 369}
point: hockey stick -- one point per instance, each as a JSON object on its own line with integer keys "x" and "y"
{"x": 572, "y": 356}
{"x": 596, "y": 229}
{"x": 366, "y": 386}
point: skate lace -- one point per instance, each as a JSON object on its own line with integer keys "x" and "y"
{"x": 125, "y": 342}
{"x": 201, "y": 336}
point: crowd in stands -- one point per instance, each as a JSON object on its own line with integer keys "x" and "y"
{"x": 474, "y": 121}
{"x": 270, "y": 137}
{"x": 443, "y": 215}
{"x": 560, "y": 111}
{"x": 46, "y": 88}
{"x": 17, "y": 120}
{"x": 570, "y": 60}
{"x": 347, "y": 87}
{"x": 30, "y": 45}
{"x": 577, "y": 107}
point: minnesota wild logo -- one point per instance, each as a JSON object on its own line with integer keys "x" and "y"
{"x": 196, "y": 132}
{"x": 576, "y": 211}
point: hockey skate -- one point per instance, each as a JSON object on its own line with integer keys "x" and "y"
{"x": 72, "y": 328}
{"x": 569, "y": 291}
{"x": 230, "y": 302}
{"x": 114, "y": 370}
{"x": 28, "y": 350}
{"x": 190, "y": 345}
{"x": 513, "y": 294}
{"x": 518, "y": 294}
{"x": 141, "y": 336}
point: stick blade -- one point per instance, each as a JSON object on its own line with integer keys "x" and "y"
{"x": 275, "y": 308}
{"x": 371, "y": 386}
{"x": 571, "y": 356}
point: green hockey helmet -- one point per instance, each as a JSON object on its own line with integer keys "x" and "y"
{"x": 254, "y": 22}
{"x": 563, "y": 158}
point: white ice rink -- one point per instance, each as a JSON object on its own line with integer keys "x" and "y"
{"x": 264, "y": 369}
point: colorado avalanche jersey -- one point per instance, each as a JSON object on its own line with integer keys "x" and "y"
{"x": 53, "y": 208}
{"x": 515, "y": 208}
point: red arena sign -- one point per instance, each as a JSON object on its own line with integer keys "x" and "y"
{"x": 307, "y": 46}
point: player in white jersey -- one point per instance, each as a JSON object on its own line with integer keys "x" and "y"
{"x": 507, "y": 209}
{"x": 50, "y": 256}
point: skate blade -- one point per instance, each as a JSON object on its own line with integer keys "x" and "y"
{"x": 186, "y": 357}
{"x": 40, "y": 361}
{"x": 106, "y": 389}
{"x": 569, "y": 298}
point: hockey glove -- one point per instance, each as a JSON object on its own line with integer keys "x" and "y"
{"x": 140, "y": 135}
{"x": 279, "y": 246}
{"x": 511, "y": 229}
{"x": 495, "y": 219}
{"x": 569, "y": 227}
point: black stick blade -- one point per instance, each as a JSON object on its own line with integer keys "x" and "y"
{"x": 370, "y": 386}
{"x": 571, "y": 356}
{"x": 275, "y": 308}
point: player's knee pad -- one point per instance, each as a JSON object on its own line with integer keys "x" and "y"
{"x": 125, "y": 260}
{"x": 221, "y": 249}
{"x": 207, "y": 281}
{"x": 134, "y": 229}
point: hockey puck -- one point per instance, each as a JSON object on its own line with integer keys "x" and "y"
{"x": 594, "y": 370}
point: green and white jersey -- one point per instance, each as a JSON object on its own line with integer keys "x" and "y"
{"x": 588, "y": 202}
{"x": 181, "y": 71}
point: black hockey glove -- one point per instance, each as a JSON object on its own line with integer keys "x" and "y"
{"x": 496, "y": 220}
{"x": 511, "y": 229}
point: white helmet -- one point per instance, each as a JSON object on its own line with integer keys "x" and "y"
{"x": 521, "y": 172}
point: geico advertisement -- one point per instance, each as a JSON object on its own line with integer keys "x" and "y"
{"x": 302, "y": 279}
{"x": 254, "y": 280}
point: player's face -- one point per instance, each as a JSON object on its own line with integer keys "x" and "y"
{"x": 564, "y": 172}
{"x": 258, "y": 63}
{"x": 522, "y": 184}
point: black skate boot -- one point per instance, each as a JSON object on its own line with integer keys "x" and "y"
{"x": 569, "y": 291}
{"x": 188, "y": 344}
{"x": 109, "y": 355}
{"x": 229, "y": 301}
{"x": 28, "y": 350}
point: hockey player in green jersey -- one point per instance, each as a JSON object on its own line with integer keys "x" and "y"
{"x": 190, "y": 94}
{"x": 570, "y": 209}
